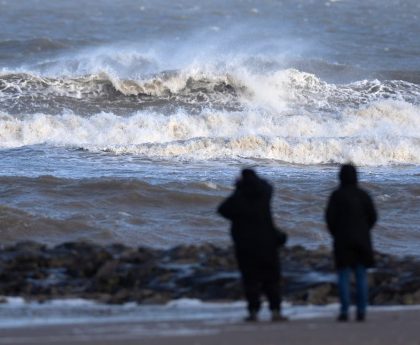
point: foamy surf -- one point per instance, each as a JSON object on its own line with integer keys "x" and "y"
{"x": 16, "y": 313}
{"x": 208, "y": 85}
{"x": 381, "y": 133}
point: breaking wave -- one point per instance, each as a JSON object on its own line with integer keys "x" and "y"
{"x": 381, "y": 133}
{"x": 208, "y": 112}
{"x": 237, "y": 89}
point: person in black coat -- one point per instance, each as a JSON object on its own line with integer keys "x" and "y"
{"x": 350, "y": 216}
{"x": 255, "y": 241}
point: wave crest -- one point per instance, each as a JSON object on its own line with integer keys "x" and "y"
{"x": 382, "y": 133}
{"x": 278, "y": 92}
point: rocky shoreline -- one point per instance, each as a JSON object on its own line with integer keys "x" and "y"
{"x": 119, "y": 274}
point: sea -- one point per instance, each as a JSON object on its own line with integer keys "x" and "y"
{"x": 129, "y": 120}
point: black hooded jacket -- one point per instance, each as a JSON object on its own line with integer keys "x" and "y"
{"x": 252, "y": 229}
{"x": 350, "y": 215}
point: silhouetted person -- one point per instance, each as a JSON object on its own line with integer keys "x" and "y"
{"x": 255, "y": 241}
{"x": 350, "y": 216}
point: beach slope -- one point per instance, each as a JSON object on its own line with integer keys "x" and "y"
{"x": 393, "y": 328}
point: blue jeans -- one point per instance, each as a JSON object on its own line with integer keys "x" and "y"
{"x": 361, "y": 288}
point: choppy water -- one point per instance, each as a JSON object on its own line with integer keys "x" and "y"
{"x": 129, "y": 120}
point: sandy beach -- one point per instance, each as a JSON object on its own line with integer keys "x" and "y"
{"x": 391, "y": 327}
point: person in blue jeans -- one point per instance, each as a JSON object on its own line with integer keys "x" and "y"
{"x": 350, "y": 216}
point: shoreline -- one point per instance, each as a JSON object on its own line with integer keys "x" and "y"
{"x": 382, "y": 327}
{"x": 17, "y": 313}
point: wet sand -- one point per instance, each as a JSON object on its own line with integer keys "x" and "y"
{"x": 382, "y": 328}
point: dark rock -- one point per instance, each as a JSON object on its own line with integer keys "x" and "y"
{"x": 137, "y": 256}
{"x": 119, "y": 274}
{"x": 319, "y": 294}
{"x": 185, "y": 254}
{"x": 112, "y": 276}
{"x": 411, "y": 298}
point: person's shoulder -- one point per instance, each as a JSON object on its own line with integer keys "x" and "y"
{"x": 265, "y": 183}
{"x": 266, "y": 186}
{"x": 336, "y": 192}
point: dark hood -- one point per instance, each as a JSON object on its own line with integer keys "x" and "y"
{"x": 251, "y": 185}
{"x": 348, "y": 175}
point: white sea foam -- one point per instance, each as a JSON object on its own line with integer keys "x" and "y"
{"x": 133, "y": 71}
{"x": 284, "y": 115}
{"x": 382, "y": 133}
{"x": 23, "y": 314}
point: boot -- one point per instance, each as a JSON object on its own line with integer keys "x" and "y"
{"x": 277, "y": 317}
{"x": 360, "y": 317}
{"x": 252, "y": 317}
{"x": 342, "y": 317}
